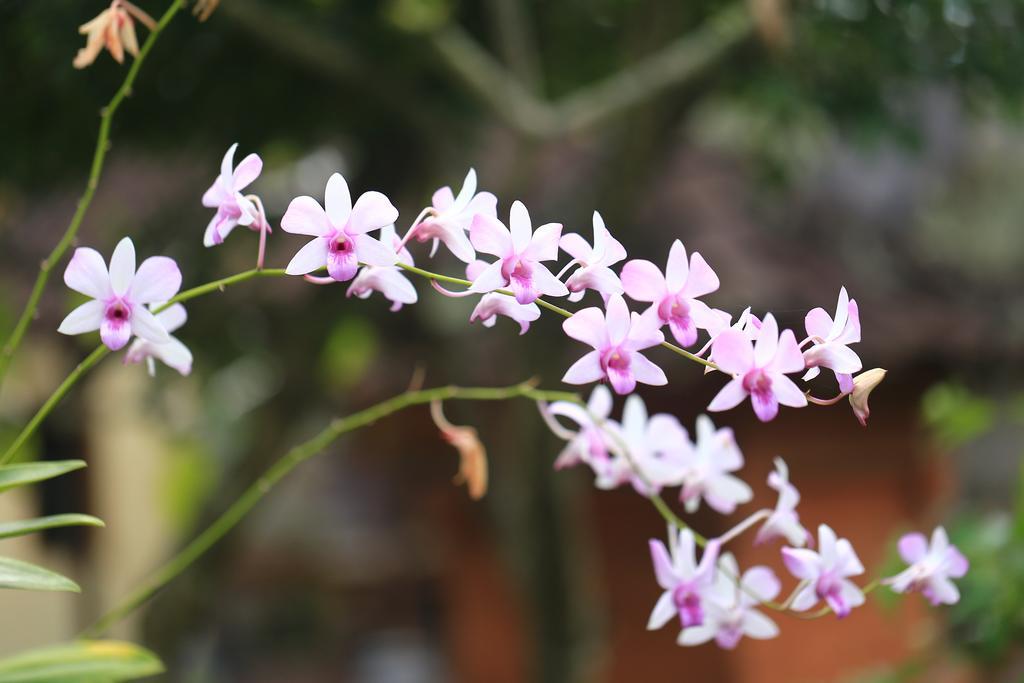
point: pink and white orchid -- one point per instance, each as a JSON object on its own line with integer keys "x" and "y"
{"x": 732, "y": 608}
{"x": 617, "y": 339}
{"x": 783, "y": 522}
{"x": 931, "y": 567}
{"x": 451, "y": 217}
{"x": 673, "y": 296}
{"x": 826, "y": 573}
{"x": 830, "y": 340}
{"x": 591, "y": 443}
{"x": 225, "y": 195}
{"x": 340, "y": 241}
{"x": 646, "y": 450}
{"x": 119, "y": 296}
{"x": 687, "y": 586}
{"x": 171, "y": 353}
{"x": 707, "y": 467}
{"x": 759, "y": 371}
{"x": 493, "y": 304}
{"x": 388, "y": 280}
{"x": 594, "y": 261}
{"x": 520, "y": 253}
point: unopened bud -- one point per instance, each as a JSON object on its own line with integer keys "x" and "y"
{"x": 862, "y": 386}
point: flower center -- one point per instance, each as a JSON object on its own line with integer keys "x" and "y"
{"x": 757, "y": 382}
{"x": 674, "y": 308}
{"x": 617, "y": 360}
{"x": 118, "y": 311}
{"x": 339, "y": 243}
{"x": 688, "y": 604}
{"x": 517, "y": 269}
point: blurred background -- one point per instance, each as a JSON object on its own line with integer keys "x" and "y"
{"x": 799, "y": 146}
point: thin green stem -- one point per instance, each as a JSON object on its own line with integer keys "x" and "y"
{"x": 300, "y": 453}
{"x": 101, "y": 351}
{"x": 544, "y": 304}
{"x": 99, "y": 156}
{"x": 91, "y": 360}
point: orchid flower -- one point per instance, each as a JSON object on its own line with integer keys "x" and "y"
{"x": 594, "y": 271}
{"x": 452, "y": 216}
{"x": 520, "y": 253}
{"x": 783, "y": 522}
{"x": 225, "y": 195}
{"x": 732, "y": 609}
{"x": 113, "y": 29}
{"x": 647, "y": 450}
{"x": 706, "y": 470}
{"x": 759, "y": 371}
{"x": 493, "y": 304}
{"x": 830, "y": 342}
{"x": 687, "y": 586}
{"x": 931, "y": 567}
{"x": 673, "y": 296}
{"x": 171, "y": 353}
{"x": 388, "y": 280}
{"x": 340, "y": 232}
{"x": 591, "y": 443}
{"x": 826, "y": 573}
{"x": 119, "y": 296}
{"x": 617, "y": 339}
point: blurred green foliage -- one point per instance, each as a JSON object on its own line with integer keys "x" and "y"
{"x": 956, "y": 415}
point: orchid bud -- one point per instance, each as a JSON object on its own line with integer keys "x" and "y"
{"x": 862, "y": 386}
{"x": 472, "y": 454}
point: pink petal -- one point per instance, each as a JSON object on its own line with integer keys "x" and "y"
{"x": 763, "y": 582}
{"x": 490, "y": 279}
{"x": 544, "y": 243}
{"x": 305, "y": 216}
{"x": 311, "y": 257}
{"x": 623, "y": 381}
{"x": 466, "y": 193}
{"x": 957, "y": 564}
{"x": 227, "y": 164}
{"x": 851, "y": 333}
{"x": 677, "y": 269}
{"x": 732, "y": 352}
{"x": 647, "y": 372}
{"x": 85, "y": 318}
{"x": 913, "y": 547}
{"x": 663, "y": 571}
{"x": 490, "y": 236}
{"x": 574, "y": 245}
{"x": 173, "y": 317}
{"x": 247, "y": 171}
{"x": 841, "y": 359}
{"x": 372, "y": 211}
{"x": 644, "y": 330}
{"x": 87, "y": 273}
{"x": 122, "y": 267}
{"x": 342, "y": 265}
{"x": 115, "y": 333}
{"x": 174, "y": 355}
{"x": 586, "y": 370}
{"x": 546, "y": 283}
{"x": 768, "y": 342}
{"x": 787, "y": 392}
{"x": 731, "y": 395}
{"x": 372, "y": 251}
{"x": 443, "y": 198}
{"x": 765, "y": 404}
{"x": 801, "y": 563}
{"x": 642, "y": 281}
{"x": 662, "y": 613}
{"x": 158, "y": 279}
{"x": 521, "y": 227}
{"x": 817, "y": 323}
{"x": 338, "y": 201}
{"x": 787, "y": 356}
{"x": 702, "y": 280}
{"x": 617, "y": 319}
{"x": 146, "y": 326}
{"x": 588, "y": 326}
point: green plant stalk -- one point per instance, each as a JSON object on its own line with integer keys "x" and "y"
{"x": 297, "y": 455}
{"x": 99, "y": 156}
{"x": 101, "y": 351}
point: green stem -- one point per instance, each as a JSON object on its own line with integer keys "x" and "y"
{"x": 99, "y": 156}
{"x": 304, "y": 451}
{"x": 101, "y": 351}
{"x": 545, "y": 304}
{"x": 92, "y": 359}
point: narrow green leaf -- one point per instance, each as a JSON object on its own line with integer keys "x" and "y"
{"x": 86, "y": 661}
{"x": 31, "y": 472}
{"x": 23, "y": 527}
{"x": 27, "y": 576}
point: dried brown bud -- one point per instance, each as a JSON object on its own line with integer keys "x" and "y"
{"x": 472, "y": 454}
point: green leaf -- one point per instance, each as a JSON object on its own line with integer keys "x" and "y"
{"x": 30, "y": 526}
{"x": 20, "y": 474}
{"x": 86, "y": 661}
{"x": 27, "y": 576}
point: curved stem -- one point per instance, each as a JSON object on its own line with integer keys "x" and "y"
{"x": 99, "y": 156}
{"x": 101, "y": 351}
{"x": 304, "y": 451}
